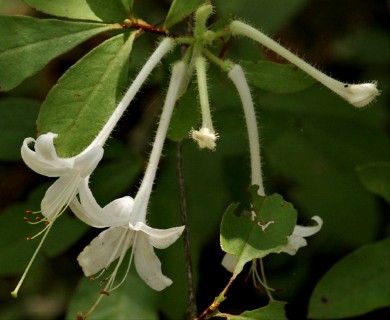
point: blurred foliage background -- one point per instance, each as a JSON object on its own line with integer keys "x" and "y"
{"x": 312, "y": 143}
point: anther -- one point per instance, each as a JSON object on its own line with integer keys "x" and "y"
{"x": 29, "y": 211}
{"x": 26, "y": 219}
{"x": 38, "y": 218}
{"x": 28, "y": 238}
{"x": 105, "y": 292}
{"x": 103, "y": 281}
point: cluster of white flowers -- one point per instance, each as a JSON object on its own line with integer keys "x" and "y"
{"x": 125, "y": 218}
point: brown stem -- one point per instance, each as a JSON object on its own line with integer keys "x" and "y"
{"x": 191, "y": 309}
{"x": 217, "y": 301}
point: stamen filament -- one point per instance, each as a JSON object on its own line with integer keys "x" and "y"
{"x": 60, "y": 203}
{"x": 14, "y": 293}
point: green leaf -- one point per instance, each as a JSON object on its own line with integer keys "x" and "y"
{"x": 86, "y": 95}
{"x": 96, "y": 10}
{"x": 179, "y": 10}
{"x": 17, "y": 118}
{"x": 133, "y": 300}
{"x": 376, "y": 178}
{"x": 276, "y": 77}
{"x": 357, "y": 284}
{"x": 274, "y": 310}
{"x": 185, "y": 116}
{"x": 243, "y": 236}
{"x": 28, "y": 44}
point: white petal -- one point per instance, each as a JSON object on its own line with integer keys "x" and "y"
{"x": 81, "y": 213}
{"x": 229, "y": 262}
{"x": 86, "y": 163}
{"x": 205, "y": 138}
{"x": 104, "y": 249}
{"x": 303, "y": 231}
{"x": 159, "y": 238}
{"x": 116, "y": 213}
{"x": 60, "y": 194}
{"x": 294, "y": 243}
{"x": 296, "y": 240}
{"x": 119, "y": 211}
{"x": 46, "y": 167}
{"x": 148, "y": 265}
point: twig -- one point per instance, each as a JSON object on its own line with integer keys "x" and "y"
{"x": 191, "y": 309}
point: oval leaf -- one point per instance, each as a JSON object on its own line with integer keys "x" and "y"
{"x": 274, "y": 310}
{"x": 357, "y": 284}
{"x": 276, "y": 77}
{"x": 255, "y": 236}
{"x": 86, "y": 95}
{"x": 376, "y": 178}
{"x": 17, "y": 118}
{"x": 28, "y": 44}
{"x": 179, "y": 10}
{"x": 96, "y": 10}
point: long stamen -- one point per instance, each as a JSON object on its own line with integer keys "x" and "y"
{"x": 108, "y": 288}
{"x": 60, "y": 203}
{"x": 15, "y": 292}
{"x": 128, "y": 265}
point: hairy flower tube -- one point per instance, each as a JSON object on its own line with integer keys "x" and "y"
{"x": 206, "y": 136}
{"x": 126, "y": 217}
{"x": 75, "y": 171}
{"x": 295, "y": 241}
{"x": 236, "y": 74}
{"x": 359, "y": 95}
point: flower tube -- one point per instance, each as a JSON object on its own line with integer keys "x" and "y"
{"x": 359, "y": 95}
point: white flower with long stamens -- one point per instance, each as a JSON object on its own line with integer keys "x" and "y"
{"x": 70, "y": 171}
{"x": 359, "y": 95}
{"x": 295, "y": 241}
{"x": 75, "y": 171}
{"x": 126, "y": 217}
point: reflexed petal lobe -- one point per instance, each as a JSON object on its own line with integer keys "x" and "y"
{"x": 159, "y": 238}
{"x": 53, "y": 168}
{"x": 310, "y": 230}
{"x": 103, "y": 250}
{"x": 116, "y": 213}
{"x": 148, "y": 265}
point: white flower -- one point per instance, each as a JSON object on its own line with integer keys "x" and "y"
{"x": 126, "y": 230}
{"x": 204, "y": 138}
{"x": 126, "y": 217}
{"x": 295, "y": 241}
{"x": 70, "y": 171}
